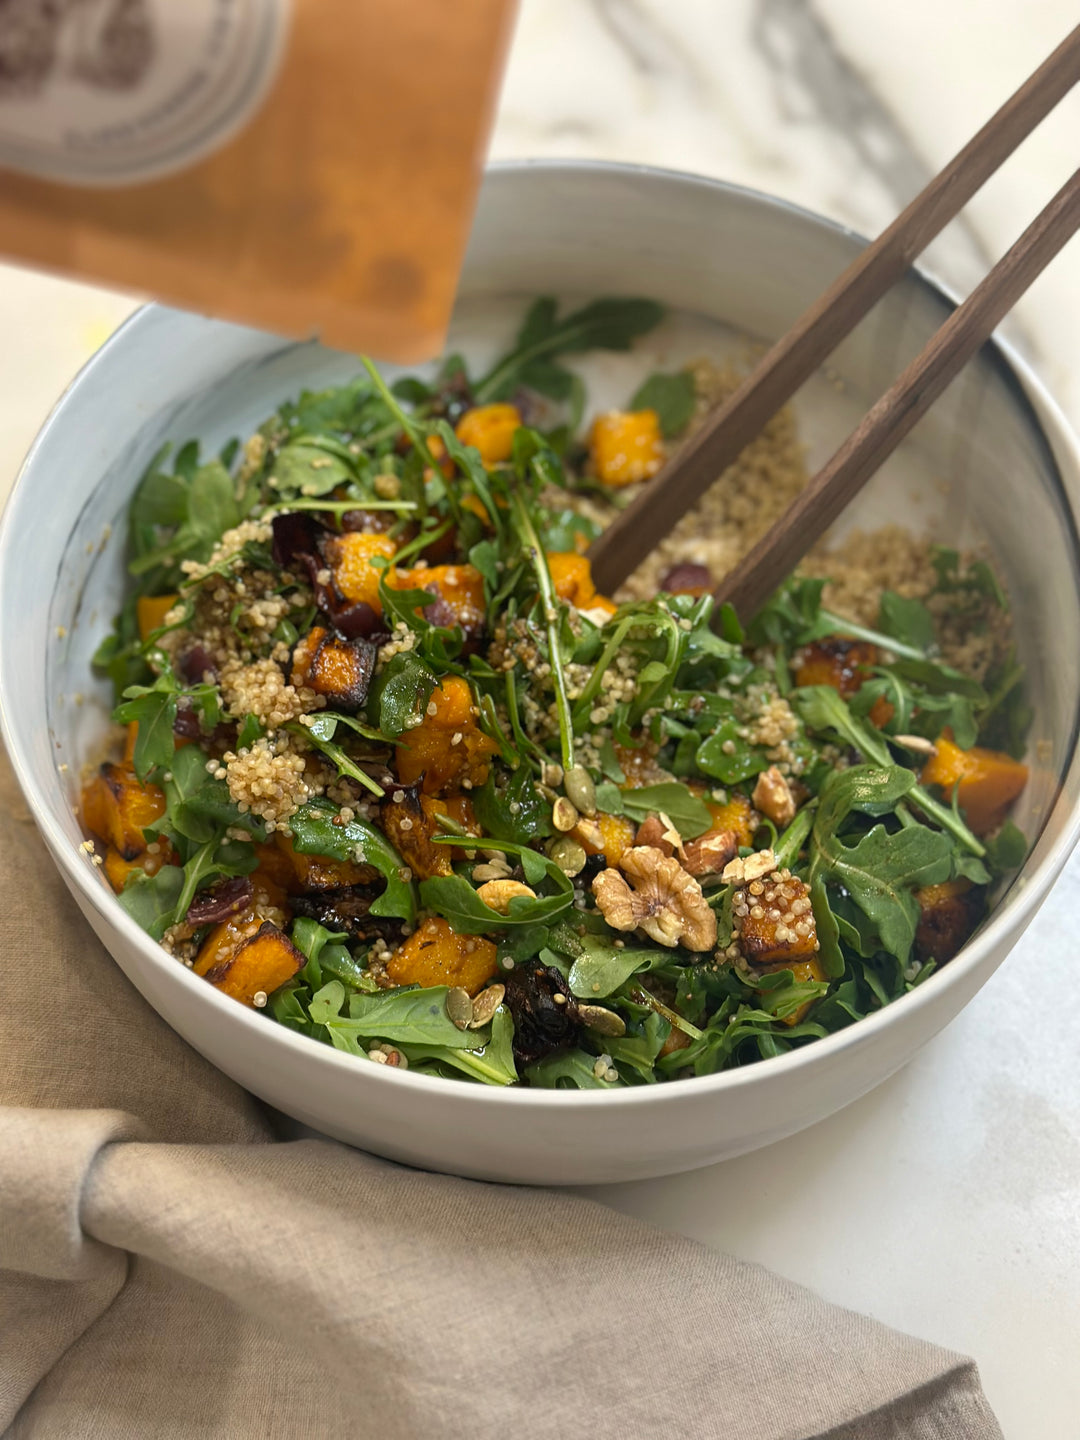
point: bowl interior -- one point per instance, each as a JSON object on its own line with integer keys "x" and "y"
{"x": 732, "y": 265}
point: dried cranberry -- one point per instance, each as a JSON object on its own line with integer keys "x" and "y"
{"x": 221, "y": 902}
{"x": 688, "y": 579}
{"x": 196, "y": 663}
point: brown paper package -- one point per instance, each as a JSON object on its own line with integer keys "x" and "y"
{"x": 341, "y": 205}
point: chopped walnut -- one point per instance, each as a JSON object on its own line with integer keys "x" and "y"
{"x": 751, "y": 867}
{"x": 709, "y": 853}
{"x": 498, "y": 893}
{"x": 664, "y": 901}
{"x": 658, "y": 831}
{"x": 772, "y": 796}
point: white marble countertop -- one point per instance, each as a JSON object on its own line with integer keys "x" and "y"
{"x": 947, "y": 1202}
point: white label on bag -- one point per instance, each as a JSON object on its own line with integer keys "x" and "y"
{"x": 114, "y": 92}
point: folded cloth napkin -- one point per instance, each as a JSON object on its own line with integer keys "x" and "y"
{"x": 171, "y": 1271}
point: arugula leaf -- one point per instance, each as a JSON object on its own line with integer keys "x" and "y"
{"x": 1007, "y": 850}
{"x": 314, "y": 833}
{"x": 491, "y": 1063}
{"x": 672, "y": 397}
{"x": 452, "y": 897}
{"x": 417, "y": 1016}
{"x": 150, "y": 900}
{"x": 212, "y": 507}
{"x": 690, "y": 815}
{"x": 312, "y": 466}
{"x": 883, "y": 869}
{"x": 514, "y": 810}
{"x": 612, "y": 324}
{"x": 906, "y": 620}
{"x": 400, "y": 693}
{"x": 601, "y": 967}
{"x": 345, "y": 766}
{"x": 727, "y": 757}
{"x": 154, "y": 708}
{"x": 568, "y": 1070}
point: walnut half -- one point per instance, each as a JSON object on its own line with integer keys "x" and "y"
{"x": 663, "y": 900}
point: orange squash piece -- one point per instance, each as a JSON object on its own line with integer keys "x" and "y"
{"x": 410, "y": 825}
{"x": 349, "y": 558}
{"x": 947, "y": 915}
{"x": 263, "y": 962}
{"x": 837, "y": 662}
{"x": 459, "y": 588}
{"x": 737, "y": 815}
{"x": 986, "y": 782}
{"x": 150, "y": 612}
{"x": 779, "y": 927}
{"x": 319, "y": 872}
{"x": 607, "y": 835}
{"x": 117, "y": 807}
{"x": 491, "y": 429}
{"x": 335, "y": 667}
{"x": 435, "y": 955}
{"x": 447, "y": 749}
{"x": 626, "y": 446}
{"x": 118, "y": 870}
{"x": 571, "y": 575}
{"x": 639, "y": 764}
{"x": 803, "y": 970}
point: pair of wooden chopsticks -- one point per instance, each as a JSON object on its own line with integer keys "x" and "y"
{"x": 791, "y": 361}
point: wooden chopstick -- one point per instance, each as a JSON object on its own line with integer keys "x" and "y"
{"x": 792, "y": 360}
{"x": 777, "y": 553}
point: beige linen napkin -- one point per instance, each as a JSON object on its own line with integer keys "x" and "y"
{"x": 170, "y": 1271}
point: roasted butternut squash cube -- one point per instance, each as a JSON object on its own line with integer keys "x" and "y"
{"x": 626, "y": 446}
{"x": 348, "y": 558}
{"x": 608, "y": 835}
{"x": 986, "y": 782}
{"x": 117, "y": 806}
{"x": 447, "y": 750}
{"x": 736, "y": 815}
{"x": 150, "y": 612}
{"x": 948, "y": 914}
{"x": 409, "y": 823}
{"x": 263, "y": 961}
{"x": 434, "y": 954}
{"x": 775, "y": 920}
{"x": 803, "y": 970}
{"x": 491, "y": 429}
{"x": 320, "y": 872}
{"x": 335, "y": 667}
{"x": 571, "y": 575}
{"x": 118, "y": 870}
{"x": 459, "y": 592}
{"x": 838, "y": 662}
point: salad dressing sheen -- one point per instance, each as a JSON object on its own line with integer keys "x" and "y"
{"x": 307, "y": 166}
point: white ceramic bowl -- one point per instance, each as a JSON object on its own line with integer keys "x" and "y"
{"x": 993, "y": 460}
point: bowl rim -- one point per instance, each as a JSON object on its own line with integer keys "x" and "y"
{"x": 1043, "y": 414}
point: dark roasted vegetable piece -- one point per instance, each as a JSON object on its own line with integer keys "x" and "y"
{"x": 337, "y": 668}
{"x": 409, "y": 826}
{"x": 298, "y": 541}
{"x": 948, "y": 914}
{"x": 542, "y": 1023}
{"x": 838, "y": 662}
{"x": 347, "y": 909}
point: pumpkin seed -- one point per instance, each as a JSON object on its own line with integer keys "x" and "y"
{"x": 601, "y": 1021}
{"x": 563, "y": 815}
{"x": 568, "y": 855}
{"x": 459, "y": 1007}
{"x": 485, "y": 1005}
{"x": 581, "y": 790}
